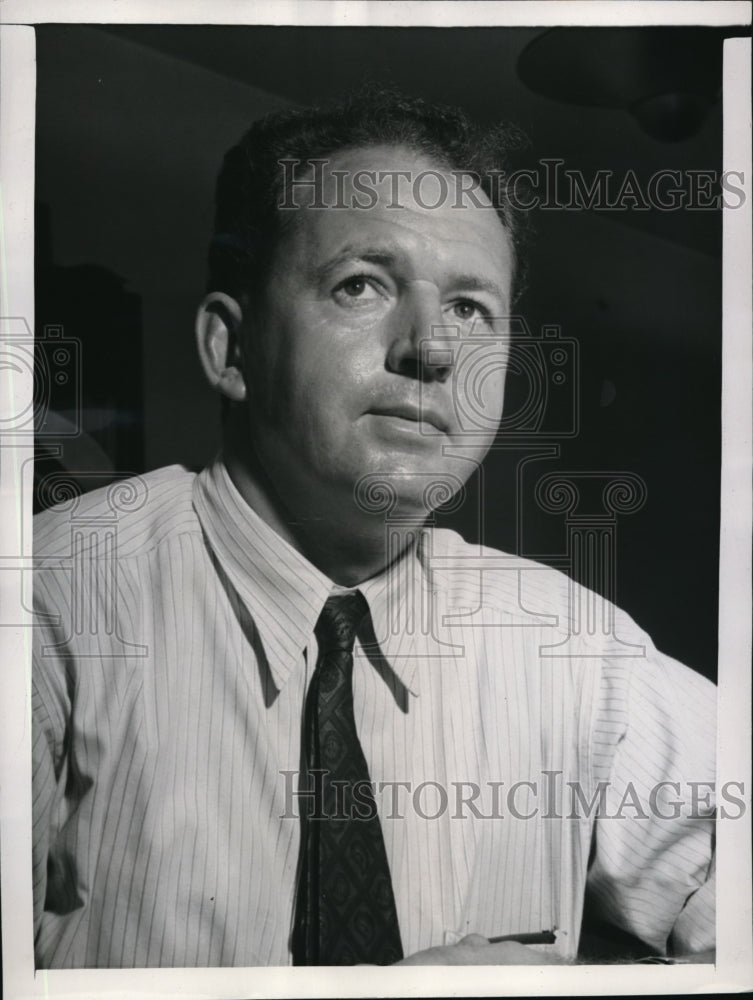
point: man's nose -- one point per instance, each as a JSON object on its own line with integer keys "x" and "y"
{"x": 419, "y": 346}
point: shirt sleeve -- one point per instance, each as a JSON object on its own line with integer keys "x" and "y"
{"x": 651, "y": 871}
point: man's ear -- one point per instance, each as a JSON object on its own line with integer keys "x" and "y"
{"x": 218, "y": 333}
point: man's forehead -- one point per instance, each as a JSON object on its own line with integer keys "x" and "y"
{"x": 390, "y": 201}
{"x": 405, "y": 244}
{"x": 395, "y": 174}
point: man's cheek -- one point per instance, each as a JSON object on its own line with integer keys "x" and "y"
{"x": 477, "y": 396}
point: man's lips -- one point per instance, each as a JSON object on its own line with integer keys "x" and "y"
{"x": 413, "y": 412}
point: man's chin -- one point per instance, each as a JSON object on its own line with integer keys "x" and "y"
{"x": 407, "y": 493}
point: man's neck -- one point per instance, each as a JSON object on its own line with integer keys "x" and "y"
{"x": 347, "y": 549}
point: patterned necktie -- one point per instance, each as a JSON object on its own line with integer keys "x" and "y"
{"x": 345, "y": 909}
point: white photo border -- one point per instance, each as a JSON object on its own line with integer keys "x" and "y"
{"x": 734, "y": 966}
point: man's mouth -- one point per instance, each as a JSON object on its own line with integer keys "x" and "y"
{"x": 425, "y": 416}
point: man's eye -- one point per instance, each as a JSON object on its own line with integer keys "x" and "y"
{"x": 358, "y": 287}
{"x": 465, "y": 309}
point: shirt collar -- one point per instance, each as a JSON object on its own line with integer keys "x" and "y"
{"x": 406, "y": 615}
{"x": 285, "y": 593}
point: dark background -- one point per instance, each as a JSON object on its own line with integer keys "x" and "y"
{"x": 132, "y": 122}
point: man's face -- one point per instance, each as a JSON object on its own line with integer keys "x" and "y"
{"x": 353, "y": 363}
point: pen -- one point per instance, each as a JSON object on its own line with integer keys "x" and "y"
{"x": 537, "y": 937}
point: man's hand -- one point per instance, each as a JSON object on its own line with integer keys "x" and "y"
{"x": 474, "y": 949}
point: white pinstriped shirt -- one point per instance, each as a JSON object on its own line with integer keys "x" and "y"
{"x": 172, "y": 654}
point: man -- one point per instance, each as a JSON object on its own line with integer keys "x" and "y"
{"x": 279, "y": 717}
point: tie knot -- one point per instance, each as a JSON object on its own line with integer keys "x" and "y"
{"x": 338, "y": 623}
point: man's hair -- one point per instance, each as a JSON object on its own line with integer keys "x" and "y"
{"x": 252, "y": 183}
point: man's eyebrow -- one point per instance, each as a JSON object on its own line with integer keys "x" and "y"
{"x": 384, "y": 256}
{"x": 477, "y": 283}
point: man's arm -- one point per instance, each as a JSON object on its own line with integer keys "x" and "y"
{"x": 651, "y": 873}
{"x": 694, "y": 929}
